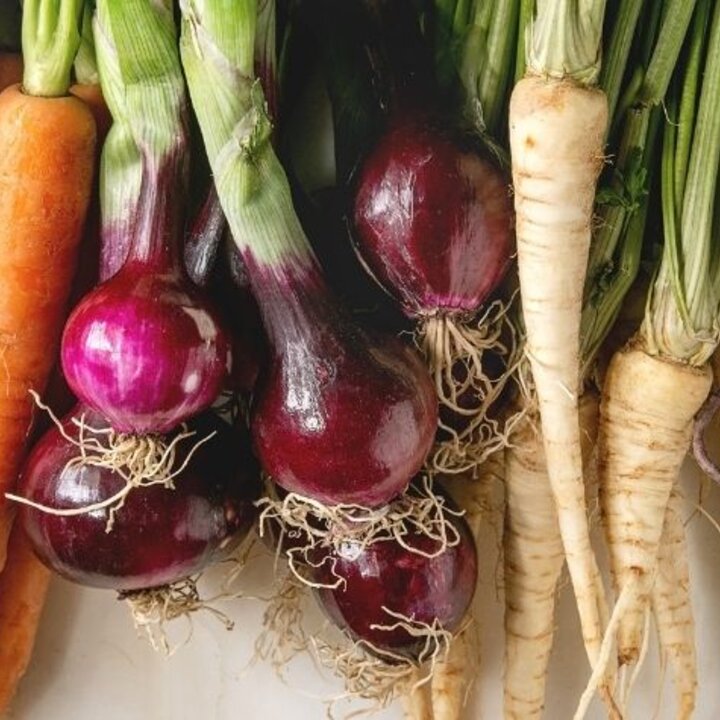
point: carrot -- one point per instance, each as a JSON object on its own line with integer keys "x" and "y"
{"x": 23, "y": 586}
{"x": 11, "y": 69}
{"x": 47, "y": 142}
{"x": 533, "y": 561}
{"x": 659, "y": 381}
{"x": 558, "y": 121}
{"x": 673, "y": 610}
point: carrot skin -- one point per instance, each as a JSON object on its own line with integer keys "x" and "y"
{"x": 47, "y": 148}
{"x": 23, "y": 586}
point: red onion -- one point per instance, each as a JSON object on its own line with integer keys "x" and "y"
{"x": 145, "y": 349}
{"x": 433, "y": 217}
{"x": 159, "y": 535}
{"x": 427, "y": 591}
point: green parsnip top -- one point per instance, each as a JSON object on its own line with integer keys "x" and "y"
{"x": 564, "y": 39}
{"x": 682, "y": 319}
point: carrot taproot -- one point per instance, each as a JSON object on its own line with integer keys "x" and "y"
{"x": 47, "y": 146}
{"x": 23, "y": 586}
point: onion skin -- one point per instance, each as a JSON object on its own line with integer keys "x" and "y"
{"x": 385, "y": 574}
{"x": 341, "y": 415}
{"x": 145, "y": 350}
{"x": 433, "y": 218}
{"x": 160, "y": 535}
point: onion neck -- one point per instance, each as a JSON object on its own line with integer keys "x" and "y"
{"x": 156, "y": 238}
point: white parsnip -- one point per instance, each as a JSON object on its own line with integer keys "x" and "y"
{"x": 673, "y": 610}
{"x": 557, "y": 128}
{"x": 646, "y": 415}
{"x": 456, "y": 673}
{"x": 417, "y": 704}
{"x": 533, "y": 562}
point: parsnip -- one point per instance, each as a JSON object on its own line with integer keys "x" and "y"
{"x": 533, "y": 559}
{"x": 455, "y": 674}
{"x": 645, "y": 426}
{"x": 673, "y": 610}
{"x": 656, "y": 385}
{"x": 558, "y": 122}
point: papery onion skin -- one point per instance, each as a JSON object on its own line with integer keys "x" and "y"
{"x": 145, "y": 350}
{"x": 432, "y": 216}
{"x": 385, "y": 574}
{"x": 160, "y": 535}
{"x": 342, "y": 415}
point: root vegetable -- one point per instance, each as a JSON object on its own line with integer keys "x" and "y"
{"x": 89, "y": 532}
{"x": 342, "y": 415}
{"x": 46, "y": 164}
{"x": 641, "y": 447}
{"x": 672, "y": 609}
{"x": 558, "y": 122}
{"x": 534, "y": 558}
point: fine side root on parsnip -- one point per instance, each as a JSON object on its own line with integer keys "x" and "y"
{"x": 318, "y": 530}
{"x": 645, "y": 427}
{"x": 673, "y": 610}
{"x": 533, "y": 561}
{"x": 556, "y": 136}
{"x": 457, "y": 355}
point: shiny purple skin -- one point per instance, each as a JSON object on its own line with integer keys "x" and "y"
{"x": 160, "y": 535}
{"x": 433, "y": 218}
{"x": 341, "y": 415}
{"x": 385, "y": 574}
{"x": 145, "y": 350}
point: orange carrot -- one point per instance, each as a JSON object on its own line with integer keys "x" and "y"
{"x": 23, "y": 587}
{"x": 47, "y": 150}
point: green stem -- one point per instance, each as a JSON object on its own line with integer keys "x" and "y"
{"x": 144, "y": 88}
{"x": 623, "y": 230}
{"x": 527, "y": 10}
{"x": 565, "y": 39}
{"x": 667, "y": 50}
{"x": 472, "y": 57}
{"x": 50, "y": 41}
{"x": 697, "y": 208}
{"x": 688, "y": 103}
{"x": 86, "y": 69}
{"x": 493, "y": 81}
{"x": 616, "y": 56}
{"x": 216, "y": 44}
{"x": 683, "y": 312}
